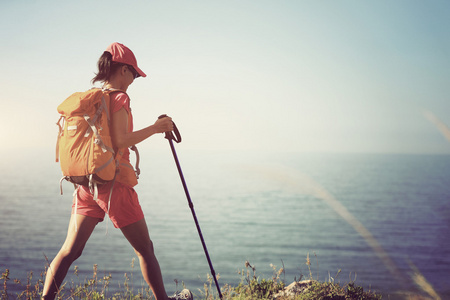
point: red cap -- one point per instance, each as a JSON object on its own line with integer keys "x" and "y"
{"x": 122, "y": 54}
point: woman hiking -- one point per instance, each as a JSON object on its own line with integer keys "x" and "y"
{"x": 117, "y": 69}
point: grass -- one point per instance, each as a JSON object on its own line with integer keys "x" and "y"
{"x": 250, "y": 287}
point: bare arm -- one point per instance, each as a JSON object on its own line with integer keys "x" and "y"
{"x": 124, "y": 139}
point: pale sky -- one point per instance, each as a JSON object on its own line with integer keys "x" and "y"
{"x": 301, "y": 76}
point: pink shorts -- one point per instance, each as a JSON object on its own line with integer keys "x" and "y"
{"x": 124, "y": 207}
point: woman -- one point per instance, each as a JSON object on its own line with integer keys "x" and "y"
{"x": 117, "y": 69}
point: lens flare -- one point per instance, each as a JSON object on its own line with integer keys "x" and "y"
{"x": 297, "y": 182}
{"x": 441, "y": 126}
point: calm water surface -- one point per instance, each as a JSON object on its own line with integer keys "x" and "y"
{"x": 251, "y": 207}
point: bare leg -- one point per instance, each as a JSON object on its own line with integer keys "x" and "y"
{"x": 138, "y": 236}
{"x": 70, "y": 251}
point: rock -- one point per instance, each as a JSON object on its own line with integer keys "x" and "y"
{"x": 295, "y": 288}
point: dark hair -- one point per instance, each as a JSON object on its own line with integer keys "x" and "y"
{"x": 106, "y": 67}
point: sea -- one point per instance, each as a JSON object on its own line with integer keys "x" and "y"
{"x": 381, "y": 221}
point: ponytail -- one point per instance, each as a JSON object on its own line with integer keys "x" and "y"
{"x": 106, "y": 67}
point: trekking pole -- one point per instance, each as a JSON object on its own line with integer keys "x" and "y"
{"x": 177, "y": 138}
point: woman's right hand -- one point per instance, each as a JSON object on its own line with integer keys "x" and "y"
{"x": 164, "y": 125}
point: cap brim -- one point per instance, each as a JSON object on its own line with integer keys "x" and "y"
{"x": 140, "y": 72}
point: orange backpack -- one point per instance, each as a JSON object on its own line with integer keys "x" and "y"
{"x": 84, "y": 147}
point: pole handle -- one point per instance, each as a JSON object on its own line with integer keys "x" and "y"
{"x": 175, "y": 135}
